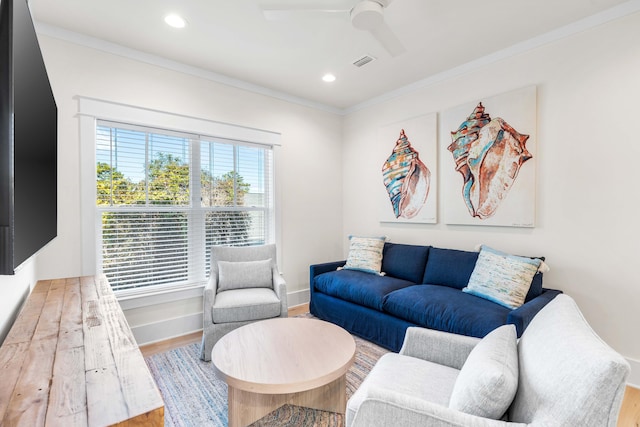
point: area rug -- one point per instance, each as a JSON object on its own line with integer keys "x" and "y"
{"x": 194, "y": 396}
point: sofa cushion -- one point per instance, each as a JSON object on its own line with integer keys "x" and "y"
{"x": 446, "y": 309}
{"x": 452, "y": 267}
{"x": 365, "y": 254}
{"x": 358, "y": 287}
{"x": 488, "y": 380}
{"x": 405, "y": 262}
{"x": 244, "y": 274}
{"x": 502, "y": 278}
{"x": 536, "y": 287}
{"x": 449, "y": 267}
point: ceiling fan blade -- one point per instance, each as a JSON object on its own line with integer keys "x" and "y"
{"x": 388, "y": 40}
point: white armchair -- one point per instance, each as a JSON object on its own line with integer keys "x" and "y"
{"x": 244, "y": 286}
{"x": 565, "y": 375}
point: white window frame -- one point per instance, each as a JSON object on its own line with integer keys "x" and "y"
{"x": 90, "y": 110}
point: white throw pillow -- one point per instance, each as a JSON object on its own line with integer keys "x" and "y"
{"x": 502, "y": 278}
{"x": 488, "y": 380}
{"x": 365, "y": 254}
{"x": 244, "y": 274}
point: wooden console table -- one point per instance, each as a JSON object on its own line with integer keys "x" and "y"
{"x": 70, "y": 359}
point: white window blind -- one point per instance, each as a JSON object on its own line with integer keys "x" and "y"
{"x": 164, "y": 198}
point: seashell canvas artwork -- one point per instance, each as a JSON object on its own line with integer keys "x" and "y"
{"x": 408, "y": 189}
{"x": 494, "y": 160}
{"x": 488, "y": 153}
{"x": 406, "y": 179}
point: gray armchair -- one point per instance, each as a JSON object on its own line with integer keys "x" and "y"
{"x": 564, "y": 375}
{"x": 244, "y": 286}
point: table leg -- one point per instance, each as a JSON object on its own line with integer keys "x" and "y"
{"x": 246, "y": 407}
{"x": 331, "y": 397}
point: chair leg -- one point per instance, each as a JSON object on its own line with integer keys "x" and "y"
{"x": 206, "y": 346}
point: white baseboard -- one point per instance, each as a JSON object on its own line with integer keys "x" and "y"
{"x": 150, "y": 333}
{"x": 167, "y": 329}
{"x": 298, "y": 297}
{"x": 634, "y": 375}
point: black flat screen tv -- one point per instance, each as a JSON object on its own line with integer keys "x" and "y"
{"x": 28, "y": 141}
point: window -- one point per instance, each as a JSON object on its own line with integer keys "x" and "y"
{"x": 164, "y": 198}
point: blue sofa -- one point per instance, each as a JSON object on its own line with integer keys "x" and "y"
{"x": 422, "y": 286}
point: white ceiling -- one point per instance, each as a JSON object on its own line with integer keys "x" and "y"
{"x": 232, "y": 38}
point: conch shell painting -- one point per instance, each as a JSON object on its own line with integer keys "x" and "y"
{"x": 406, "y": 179}
{"x": 488, "y": 153}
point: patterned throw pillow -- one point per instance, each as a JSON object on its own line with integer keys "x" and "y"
{"x": 365, "y": 254}
{"x": 502, "y": 278}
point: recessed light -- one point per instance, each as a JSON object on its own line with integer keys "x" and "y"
{"x": 329, "y": 78}
{"x": 175, "y": 21}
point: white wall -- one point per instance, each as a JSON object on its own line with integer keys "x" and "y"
{"x": 13, "y": 293}
{"x": 308, "y": 169}
{"x": 587, "y": 170}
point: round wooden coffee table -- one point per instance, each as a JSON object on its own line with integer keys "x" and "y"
{"x": 285, "y": 360}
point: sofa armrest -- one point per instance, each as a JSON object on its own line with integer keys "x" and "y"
{"x": 212, "y": 284}
{"x": 210, "y": 291}
{"x": 521, "y": 316}
{"x": 280, "y": 288}
{"x": 383, "y": 407}
{"x": 207, "y": 304}
{"x": 439, "y": 347}
{"x": 317, "y": 269}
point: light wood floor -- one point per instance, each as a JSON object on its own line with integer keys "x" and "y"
{"x": 629, "y": 414}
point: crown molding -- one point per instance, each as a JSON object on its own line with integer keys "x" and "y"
{"x": 616, "y": 12}
{"x": 137, "y": 55}
{"x": 624, "y": 9}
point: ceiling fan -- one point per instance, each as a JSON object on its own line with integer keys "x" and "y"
{"x": 365, "y": 15}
